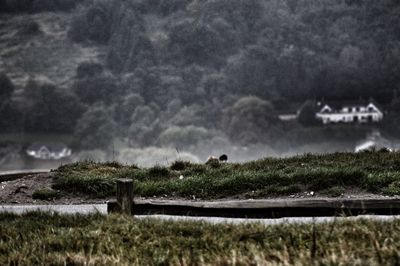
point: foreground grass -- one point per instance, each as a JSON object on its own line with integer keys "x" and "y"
{"x": 46, "y": 239}
{"x": 332, "y": 174}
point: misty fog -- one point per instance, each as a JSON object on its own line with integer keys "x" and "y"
{"x": 150, "y": 82}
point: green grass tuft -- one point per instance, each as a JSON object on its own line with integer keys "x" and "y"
{"x": 180, "y": 165}
{"x": 158, "y": 172}
{"x": 46, "y": 194}
{"x": 394, "y": 188}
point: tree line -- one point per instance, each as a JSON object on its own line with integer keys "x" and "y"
{"x": 179, "y": 72}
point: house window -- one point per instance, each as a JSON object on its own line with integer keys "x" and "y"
{"x": 370, "y": 118}
{"x": 355, "y": 118}
{"x": 370, "y": 109}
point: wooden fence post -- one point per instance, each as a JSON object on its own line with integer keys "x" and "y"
{"x": 125, "y": 195}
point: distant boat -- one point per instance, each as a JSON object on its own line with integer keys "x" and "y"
{"x": 374, "y": 142}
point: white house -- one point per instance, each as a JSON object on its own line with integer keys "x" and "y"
{"x": 352, "y": 112}
{"x": 48, "y": 151}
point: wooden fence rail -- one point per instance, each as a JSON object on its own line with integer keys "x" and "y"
{"x": 250, "y": 208}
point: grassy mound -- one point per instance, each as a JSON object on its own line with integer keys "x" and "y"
{"x": 376, "y": 172}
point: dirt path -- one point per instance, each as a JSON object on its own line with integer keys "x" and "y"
{"x": 20, "y": 191}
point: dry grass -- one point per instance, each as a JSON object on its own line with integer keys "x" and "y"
{"x": 42, "y": 238}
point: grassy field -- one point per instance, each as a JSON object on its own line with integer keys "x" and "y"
{"x": 331, "y": 175}
{"x": 46, "y": 239}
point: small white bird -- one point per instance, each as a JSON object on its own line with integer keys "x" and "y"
{"x": 180, "y": 177}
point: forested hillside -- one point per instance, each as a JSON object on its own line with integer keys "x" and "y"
{"x": 194, "y": 74}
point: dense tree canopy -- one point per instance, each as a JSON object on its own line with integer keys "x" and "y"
{"x": 51, "y": 109}
{"x": 6, "y": 87}
{"x": 250, "y": 119}
{"x": 95, "y": 129}
{"x": 10, "y": 116}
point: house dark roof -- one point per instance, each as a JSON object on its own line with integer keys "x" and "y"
{"x": 51, "y": 146}
{"x": 337, "y": 105}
